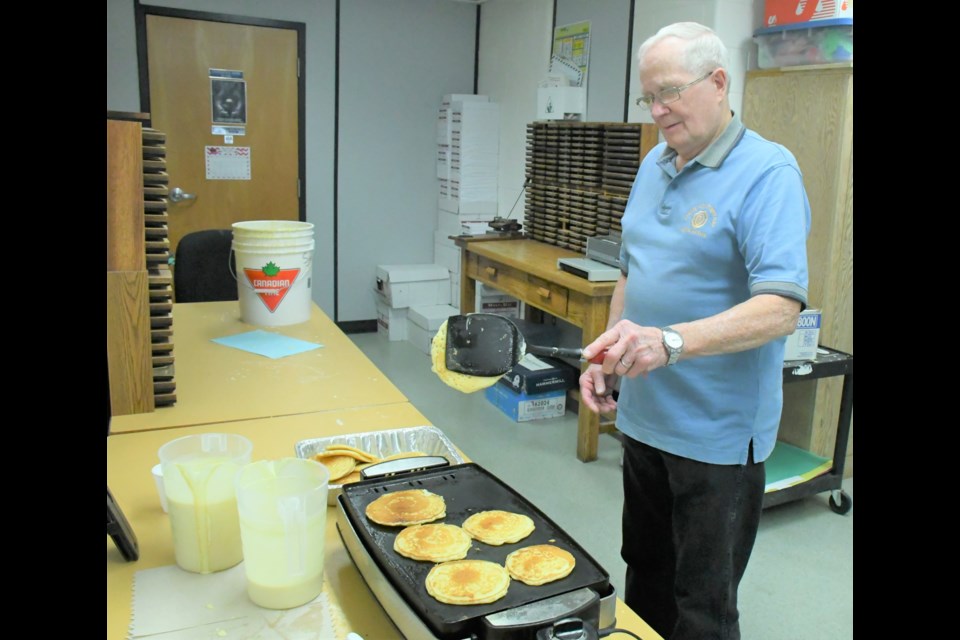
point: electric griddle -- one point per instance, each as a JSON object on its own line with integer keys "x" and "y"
{"x": 398, "y": 582}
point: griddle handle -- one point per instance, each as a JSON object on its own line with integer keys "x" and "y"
{"x": 403, "y": 465}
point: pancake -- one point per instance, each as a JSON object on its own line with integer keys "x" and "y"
{"x": 348, "y": 450}
{"x": 455, "y": 379}
{"x": 539, "y": 564}
{"x": 498, "y": 527}
{"x": 433, "y": 542}
{"x": 338, "y": 465}
{"x": 403, "y": 508}
{"x": 468, "y": 582}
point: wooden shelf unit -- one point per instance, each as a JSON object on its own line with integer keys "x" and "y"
{"x": 139, "y": 287}
{"x": 579, "y": 175}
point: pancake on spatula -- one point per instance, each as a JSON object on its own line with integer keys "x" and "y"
{"x": 468, "y": 582}
{"x": 539, "y": 564}
{"x": 403, "y": 508}
{"x": 459, "y": 381}
{"x": 498, "y": 527}
{"x": 436, "y": 542}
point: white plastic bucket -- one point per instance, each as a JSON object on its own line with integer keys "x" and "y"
{"x": 274, "y": 272}
{"x": 271, "y": 229}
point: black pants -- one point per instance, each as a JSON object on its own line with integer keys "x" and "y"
{"x": 688, "y": 530}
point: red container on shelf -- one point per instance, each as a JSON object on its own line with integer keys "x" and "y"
{"x": 781, "y": 12}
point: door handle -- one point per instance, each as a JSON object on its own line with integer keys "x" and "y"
{"x": 178, "y": 195}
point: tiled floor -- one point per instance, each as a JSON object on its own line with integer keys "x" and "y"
{"x": 799, "y": 583}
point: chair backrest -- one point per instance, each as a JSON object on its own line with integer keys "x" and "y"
{"x": 204, "y": 267}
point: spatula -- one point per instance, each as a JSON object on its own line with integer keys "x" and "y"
{"x": 487, "y": 344}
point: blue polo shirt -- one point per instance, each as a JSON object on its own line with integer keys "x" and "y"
{"x": 733, "y": 223}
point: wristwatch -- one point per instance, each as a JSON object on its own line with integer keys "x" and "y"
{"x": 673, "y": 343}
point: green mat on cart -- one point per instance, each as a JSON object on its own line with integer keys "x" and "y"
{"x": 789, "y": 465}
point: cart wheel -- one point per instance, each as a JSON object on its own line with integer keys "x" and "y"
{"x": 845, "y": 503}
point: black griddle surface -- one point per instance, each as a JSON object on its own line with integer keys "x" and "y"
{"x": 466, "y": 489}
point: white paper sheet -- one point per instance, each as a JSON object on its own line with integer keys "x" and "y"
{"x": 172, "y": 604}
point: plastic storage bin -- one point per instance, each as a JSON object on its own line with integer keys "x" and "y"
{"x": 815, "y": 42}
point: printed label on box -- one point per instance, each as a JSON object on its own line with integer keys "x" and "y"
{"x": 802, "y": 343}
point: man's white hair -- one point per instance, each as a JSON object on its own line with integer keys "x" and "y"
{"x": 704, "y": 51}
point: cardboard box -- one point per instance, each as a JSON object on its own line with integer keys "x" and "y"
{"x": 805, "y": 43}
{"x": 781, "y": 12}
{"x": 391, "y": 323}
{"x": 445, "y": 252}
{"x": 559, "y": 103}
{"x": 455, "y": 291}
{"x": 491, "y": 300}
{"x": 423, "y": 323}
{"x": 537, "y": 374}
{"x": 802, "y": 343}
{"x": 522, "y": 407}
{"x": 455, "y": 224}
{"x": 401, "y": 286}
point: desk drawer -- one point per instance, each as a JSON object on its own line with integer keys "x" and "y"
{"x": 531, "y": 289}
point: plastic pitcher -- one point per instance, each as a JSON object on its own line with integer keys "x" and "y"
{"x": 283, "y": 523}
{"x": 198, "y": 480}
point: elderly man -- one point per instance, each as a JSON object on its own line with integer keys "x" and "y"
{"x": 713, "y": 277}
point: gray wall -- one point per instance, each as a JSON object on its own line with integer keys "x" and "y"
{"x": 397, "y": 59}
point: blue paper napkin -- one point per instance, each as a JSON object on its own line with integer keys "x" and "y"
{"x": 267, "y": 344}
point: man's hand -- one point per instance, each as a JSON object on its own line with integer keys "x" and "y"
{"x": 596, "y": 389}
{"x": 632, "y": 349}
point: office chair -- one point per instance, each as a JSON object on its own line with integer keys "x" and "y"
{"x": 204, "y": 267}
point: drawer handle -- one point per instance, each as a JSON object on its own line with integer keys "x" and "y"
{"x": 491, "y": 271}
{"x": 544, "y": 292}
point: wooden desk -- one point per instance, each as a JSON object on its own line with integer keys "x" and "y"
{"x": 131, "y": 455}
{"x": 216, "y": 383}
{"x": 527, "y": 269}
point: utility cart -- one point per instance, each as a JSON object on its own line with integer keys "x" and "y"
{"x": 813, "y": 474}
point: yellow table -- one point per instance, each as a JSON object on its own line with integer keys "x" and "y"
{"x": 131, "y": 455}
{"x": 216, "y": 383}
{"x": 527, "y": 269}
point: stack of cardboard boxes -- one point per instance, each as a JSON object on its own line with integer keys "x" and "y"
{"x": 468, "y": 147}
{"x": 400, "y": 287}
{"x": 536, "y": 388}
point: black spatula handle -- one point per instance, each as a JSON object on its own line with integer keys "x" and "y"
{"x": 563, "y": 352}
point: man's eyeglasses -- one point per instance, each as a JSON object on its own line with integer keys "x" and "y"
{"x": 670, "y": 94}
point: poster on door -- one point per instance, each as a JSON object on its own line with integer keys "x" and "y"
{"x": 228, "y": 97}
{"x": 227, "y": 163}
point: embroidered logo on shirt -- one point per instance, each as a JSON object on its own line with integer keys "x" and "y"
{"x": 699, "y": 219}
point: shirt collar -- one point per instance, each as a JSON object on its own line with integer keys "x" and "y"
{"x": 714, "y": 155}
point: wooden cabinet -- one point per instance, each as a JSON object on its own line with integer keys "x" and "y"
{"x": 810, "y": 111}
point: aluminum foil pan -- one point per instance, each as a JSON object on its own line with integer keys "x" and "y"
{"x": 429, "y": 440}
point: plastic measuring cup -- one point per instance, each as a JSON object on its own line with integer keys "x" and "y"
{"x": 198, "y": 480}
{"x": 283, "y": 523}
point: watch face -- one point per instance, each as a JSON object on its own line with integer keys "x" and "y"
{"x": 673, "y": 340}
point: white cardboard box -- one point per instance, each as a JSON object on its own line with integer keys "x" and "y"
{"x": 455, "y": 290}
{"x": 423, "y": 323}
{"x": 403, "y": 285}
{"x": 455, "y": 224}
{"x": 445, "y": 252}
{"x": 391, "y": 323}
{"x": 802, "y": 343}
{"x": 491, "y": 300}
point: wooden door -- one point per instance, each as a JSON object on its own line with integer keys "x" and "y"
{"x": 209, "y": 81}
